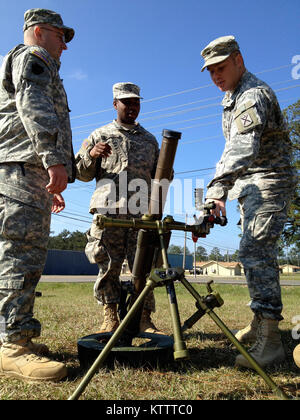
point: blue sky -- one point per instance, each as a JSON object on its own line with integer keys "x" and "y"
{"x": 157, "y": 44}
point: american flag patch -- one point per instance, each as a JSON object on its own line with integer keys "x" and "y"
{"x": 85, "y": 144}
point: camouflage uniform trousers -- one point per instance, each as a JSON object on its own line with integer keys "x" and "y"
{"x": 263, "y": 220}
{"x": 108, "y": 248}
{"x": 24, "y": 233}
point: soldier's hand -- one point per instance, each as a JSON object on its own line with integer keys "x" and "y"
{"x": 58, "y": 203}
{"x": 220, "y": 209}
{"x": 100, "y": 150}
{"x": 58, "y": 179}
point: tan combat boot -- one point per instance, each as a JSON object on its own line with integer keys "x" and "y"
{"x": 268, "y": 348}
{"x": 111, "y": 319}
{"x": 249, "y": 333}
{"x": 38, "y": 348}
{"x": 146, "y": 324}
{"x": 17, "y": 360}
{"x": 296, "y": 355}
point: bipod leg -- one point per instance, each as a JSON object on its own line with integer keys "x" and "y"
{"x": 276, "y": 390}
{"x": 111, "y": 343}
{"x": 180, "y": 350}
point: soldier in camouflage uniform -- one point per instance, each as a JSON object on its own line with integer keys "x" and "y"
{"x": 256, "y": 169}
{"x": 121, "y": 156}
{"x": 36, "y": 163}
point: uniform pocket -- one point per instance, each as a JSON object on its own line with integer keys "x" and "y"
{"x": 94, "y": 249}
{"x": 13, "y": 220}
{"x": 268, "y": 224}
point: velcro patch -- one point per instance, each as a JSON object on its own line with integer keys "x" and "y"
{"x": 37, "y": 69}
{"x": 246, "y": 117}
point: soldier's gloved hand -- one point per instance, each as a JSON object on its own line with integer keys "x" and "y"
{"x": 220, "y": 207}
{"x": 100, "y": 150}
{"x": 58, "y": 203}
{"x": 58, "y": 179}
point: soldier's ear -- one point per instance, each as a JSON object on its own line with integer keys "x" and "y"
{"x": 115, "y": 102}
{"x": 37, "y": 32}
{"x": 239, "y": 60}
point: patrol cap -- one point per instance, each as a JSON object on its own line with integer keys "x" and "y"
{"x": 218, "y": 50}
{"x": 124, "y": 90}
{"x": 36, "y": 16}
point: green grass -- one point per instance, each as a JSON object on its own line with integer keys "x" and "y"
{"x": 69, "y": 311}
{"x": 290, "y": 276}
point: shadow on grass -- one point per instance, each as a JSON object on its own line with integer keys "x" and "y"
{"x": 211, "y": 351}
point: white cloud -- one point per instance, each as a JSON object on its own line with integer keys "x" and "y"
{"x": 1, "y": 59}
{"x": 78, "y": 75}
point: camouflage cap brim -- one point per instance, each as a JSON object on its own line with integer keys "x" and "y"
{"x": 127, "y": 95}
{"x": 123, "y": 90}
{"x": 39, "y": 16}
{"x": 69, "y": 32}
{"x": 215, "y": 60}
{"x": 218, "y": 50}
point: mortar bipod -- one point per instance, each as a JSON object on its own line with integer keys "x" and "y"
{"x": 166, "y": 276}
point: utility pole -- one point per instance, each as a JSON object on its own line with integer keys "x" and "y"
{"x": 195, "y": 259}
{"x": 198, "y": 194}
{"x": 184, "y": 249}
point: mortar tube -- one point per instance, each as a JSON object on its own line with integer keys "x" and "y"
{"x": 164, "y": 170}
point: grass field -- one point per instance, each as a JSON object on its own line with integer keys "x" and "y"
{"x": 68, "y": 311}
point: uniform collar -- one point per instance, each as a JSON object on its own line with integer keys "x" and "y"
{"x": 230, "y": 97}
{"x": 122, "y": 127}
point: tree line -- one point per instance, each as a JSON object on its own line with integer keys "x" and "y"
{"x": 291, "y": 233}
{"x": 203, "y": 255}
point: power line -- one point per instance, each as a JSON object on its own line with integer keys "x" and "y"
{"x": 173, "y": 107}
{"x": 78, "y": 215}
{"x": 194, "y": 170}
{"x": 176, "y": 93}
{"x": 72, "y": 218}
{"x": 175, "y": 114}
{"x": 160, "y": 110}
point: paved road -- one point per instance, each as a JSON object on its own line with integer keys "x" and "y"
{"x": 238, "y": 280}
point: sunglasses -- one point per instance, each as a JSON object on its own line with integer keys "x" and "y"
{"x": 62, "y": 36}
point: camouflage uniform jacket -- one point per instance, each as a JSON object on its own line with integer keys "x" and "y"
{"x": 257, "y": 153}
{"x": 134, "y": 155}
{"x": 34, "y": 113}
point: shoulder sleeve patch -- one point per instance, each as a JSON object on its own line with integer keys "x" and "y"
{"x": 246, "y": 117}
